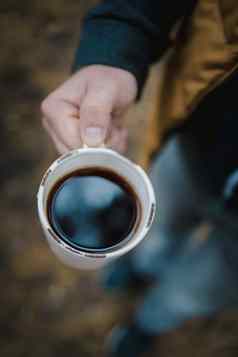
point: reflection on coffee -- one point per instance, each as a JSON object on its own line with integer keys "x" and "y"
{"x": 93, "y": 209}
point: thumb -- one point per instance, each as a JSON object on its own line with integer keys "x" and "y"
{"x": 95, "y": 119}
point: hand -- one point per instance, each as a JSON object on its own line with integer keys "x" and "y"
{"x": 88, "y": 107}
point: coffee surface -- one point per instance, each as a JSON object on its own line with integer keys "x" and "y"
{"x": 93, "y": 209}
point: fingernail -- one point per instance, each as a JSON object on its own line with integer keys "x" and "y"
{"x": 94, "y": 136}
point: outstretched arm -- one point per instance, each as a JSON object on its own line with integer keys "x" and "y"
{"x": 119, "y": 41}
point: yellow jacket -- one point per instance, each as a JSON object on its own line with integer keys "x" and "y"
{"x": 204, "y": 54}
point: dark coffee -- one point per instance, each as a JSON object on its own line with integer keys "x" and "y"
{"x": 93, "y": 209}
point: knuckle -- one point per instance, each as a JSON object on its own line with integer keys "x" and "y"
{"x": 45, "y": 105}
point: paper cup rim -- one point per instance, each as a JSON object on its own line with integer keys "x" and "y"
{"x": 115, "y": 250}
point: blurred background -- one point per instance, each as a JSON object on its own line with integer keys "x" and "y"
{"x": 47, "y": 309}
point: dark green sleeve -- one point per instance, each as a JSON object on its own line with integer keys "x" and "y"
{"x": 128, "y": 34}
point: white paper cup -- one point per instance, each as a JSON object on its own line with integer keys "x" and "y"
{"x": 108, "y": 159}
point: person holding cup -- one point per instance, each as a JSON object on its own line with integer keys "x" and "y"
{"x": 194, "y": 175}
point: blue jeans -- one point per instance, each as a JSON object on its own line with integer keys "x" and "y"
{"x": 191, "y": 252}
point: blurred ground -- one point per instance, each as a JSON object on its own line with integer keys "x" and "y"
{"x": 47, "y": 309}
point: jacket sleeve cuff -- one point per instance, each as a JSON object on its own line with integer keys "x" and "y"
{"x": 108, "y": 42}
